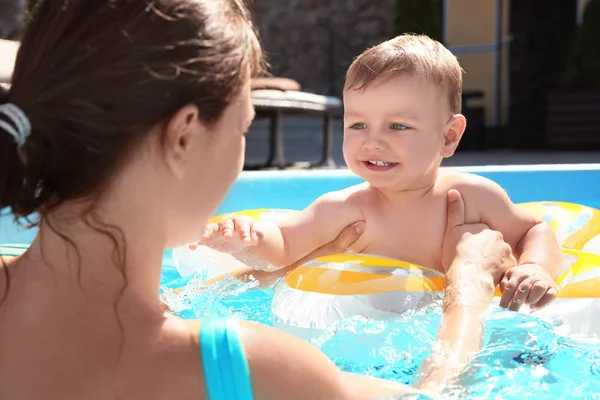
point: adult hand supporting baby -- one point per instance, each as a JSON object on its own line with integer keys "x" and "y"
{"x": 475, "y": 258}
{"x": 339, "y": 245}
{"x": 347, "y": 237}
{"x": 473, "y": 247}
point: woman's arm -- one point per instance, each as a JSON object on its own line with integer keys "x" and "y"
{"x": 285, "y": 367}
{"x": 475, "y": 259}
{"x": 460, "y": 332}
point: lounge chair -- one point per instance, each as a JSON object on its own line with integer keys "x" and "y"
{"x": 273, "y": 98}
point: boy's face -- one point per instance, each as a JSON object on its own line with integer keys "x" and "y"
{"x": 397, "y": 131}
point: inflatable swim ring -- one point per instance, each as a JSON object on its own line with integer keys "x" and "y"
{"x": 327, "y": 289}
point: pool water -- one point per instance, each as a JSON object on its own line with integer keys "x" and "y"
{"x": 297, "y": 189}
{"x": 522, "y": 357}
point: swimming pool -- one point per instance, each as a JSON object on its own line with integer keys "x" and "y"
{"x": 296, "y": 189}
{"x": 577, "y": 183}
{"x": 522, "y": 357}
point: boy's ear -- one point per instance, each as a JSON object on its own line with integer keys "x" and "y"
{"x": 453, "y": 131}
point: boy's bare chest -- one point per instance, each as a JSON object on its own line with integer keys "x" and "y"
{"x": 414, "y": 234}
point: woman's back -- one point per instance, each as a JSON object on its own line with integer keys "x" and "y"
{"x": 116, "y": 111}
{"x": 48, "y": 345}
{"x": 58, "y": 346}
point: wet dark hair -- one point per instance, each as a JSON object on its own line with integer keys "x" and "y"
{"x": 95, "y": 76}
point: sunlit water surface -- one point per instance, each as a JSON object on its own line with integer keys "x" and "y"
{"x": 521, "y": 356}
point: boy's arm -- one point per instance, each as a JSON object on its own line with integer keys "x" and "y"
{"x": 340, "y": 244}
{"x": 532, "y": 240}
{"x": 284, "y": 243}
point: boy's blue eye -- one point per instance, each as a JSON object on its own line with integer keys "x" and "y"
{"x": 398, "y": 127}
{"x": 358, "y": 125}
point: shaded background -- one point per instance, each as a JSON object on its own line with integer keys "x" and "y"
{"x": 532, "y": 67}
{"x": 314, "y": 41}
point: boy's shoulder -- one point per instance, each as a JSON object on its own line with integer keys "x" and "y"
{"x": 466, "y": 183}
{"x": 351, "y": 193}
{"x": 478, "y": 192}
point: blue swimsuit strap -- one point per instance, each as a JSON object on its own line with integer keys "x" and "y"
{"x": 225, "y": 365}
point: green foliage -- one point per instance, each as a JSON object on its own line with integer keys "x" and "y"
{"x": 418, "y": 16}
{"x": 583, "y": 68}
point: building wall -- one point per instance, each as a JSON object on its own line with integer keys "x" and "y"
{"x": 298, "y": 46}
{"x": 297, "y": 43}
{"x": 473, "y": 23}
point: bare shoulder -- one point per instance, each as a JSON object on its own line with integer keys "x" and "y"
{"x": 469, "y": 185}
{"x": 478, "y": 192}
{"x": 348, "y": 201}
{"x": 456, "y": 179}
{"x": 314, "y": 375}
{"x": 165, "y": 362}
{"x": 350, "y": 194}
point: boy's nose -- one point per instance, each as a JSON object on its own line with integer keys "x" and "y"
{"x": 373, "y": 142}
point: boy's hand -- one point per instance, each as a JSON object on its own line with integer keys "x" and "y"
{"x": 231, "y": 234}
{"x": 527, "y": 284}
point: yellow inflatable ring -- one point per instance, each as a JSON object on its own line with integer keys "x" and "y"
{"x": 576, "y": 226}
{"x": 326, "y": 289}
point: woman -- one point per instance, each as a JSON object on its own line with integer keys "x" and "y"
{"x": 124, "y": 129}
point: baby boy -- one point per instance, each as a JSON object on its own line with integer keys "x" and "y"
{"x": 402, "y": 102}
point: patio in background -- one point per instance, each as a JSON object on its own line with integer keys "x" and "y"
{"x": 303, "y": 143}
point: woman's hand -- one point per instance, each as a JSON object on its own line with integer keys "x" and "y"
{"x": 473, "y": 249}
{"x": 339, "y": 245}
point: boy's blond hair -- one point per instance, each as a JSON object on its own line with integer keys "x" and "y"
{"x": 417, "y": 55}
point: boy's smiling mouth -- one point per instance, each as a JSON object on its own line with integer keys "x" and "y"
{"x": 378, "y": 165}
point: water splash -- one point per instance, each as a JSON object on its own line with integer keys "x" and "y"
{"x": 522, "y": 357}
{"x": 391, "y": 349}
{"x": 229, "y": 297}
